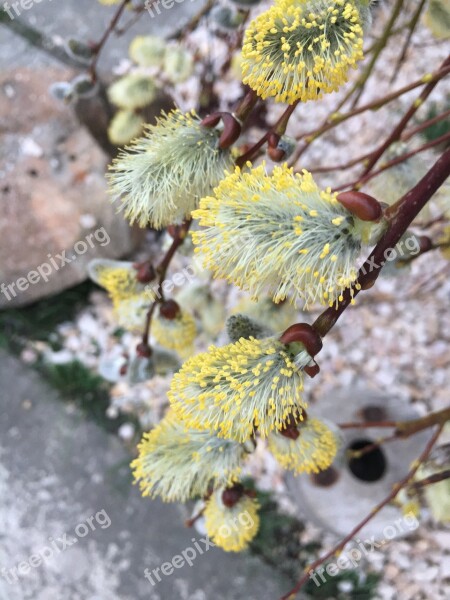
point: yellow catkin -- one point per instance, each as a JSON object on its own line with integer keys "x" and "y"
{"x": 238, "y": 388}
{"x": 314, "y": 450}
{"x": 177, "y": 463}
{"x": 232, "y": 529}
{"x": 281, "y": 234}
{"x": 301, "y": 49}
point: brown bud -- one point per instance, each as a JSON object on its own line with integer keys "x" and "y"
{"x": 361, "y": 205}
{"x": 273, "y": 139}
{"x": 306, "y": 335}
{"x": 143, "y": 350}
{"x": 312, "y": 370}
{"x": 276, "y": 154}
{"x": 169, "y": 309}
{"x": 211, "y": 120}
{"x": 231, "y": 131}
{"x": 290, "y": 432}
{"x": 366, "y": 285}
{"x": 232, "y": 495}
{"x": 123, "y": 369}
{"x": 145, "y": 272}
{"x": 290, "y": 426}
{"x": 425, "y": 244}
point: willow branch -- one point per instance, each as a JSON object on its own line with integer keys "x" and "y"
{"x": 279, "y": 128}
{"x": 424, "y": 125}
{"x": 37, "y": 39}
{"x": 98, "y": 47}
{"x": 399, "y": 216}
{"x": 358, "y": 183}
{"x": 411, "y": 29}
{"x": 398, "y": 130}
{"x": 161, "y": 270}
{"x": 336, "y": 119}
{"x": 436, "y": 478}
{"x": 381, "y": 44}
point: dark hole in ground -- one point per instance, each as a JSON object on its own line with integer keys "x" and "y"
{"x": 371, "y": 466}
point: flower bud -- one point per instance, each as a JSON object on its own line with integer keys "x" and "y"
{"x": 124, "y": 127}
{"x": 169, "y": 310}
{"x": 361, "y": 205}
{"x": 306, "y": 335}
{"x": 147, "y": 50}
{"x": 133, "y": 91}
{"x": 79, "y": 50}
{"x": 145, "y": 272}
{"x": 232, "y": 495}
{"x": 226, "y": 18}
{"x": 240, "y": 326}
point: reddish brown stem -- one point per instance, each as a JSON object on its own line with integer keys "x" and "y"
{"x": 424, "y": 125}
{"x": 436, "y": 478}
{"x": 161, "y": 270}
{"x": 395, "y": 161}
{"x": 398, "y": 130}
{"x": 400, "y": 216}
{"x": 279, "y": 128}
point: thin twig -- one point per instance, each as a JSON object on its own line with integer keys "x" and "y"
{"x": 436, "y": 478}
{"x": 411, "y": 29}
{"x": 398, "y": 130}
{"x": 408, "y": 134}
{"x": 358, "y": 183}
{"x": 98, "y": 47}
{"x": 161, "y": 270}
{"x": 381, "y": 44}
{"x": 336, "y": 119}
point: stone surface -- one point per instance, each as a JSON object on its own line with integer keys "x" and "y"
{"x": 56, "y": 471}
{"x": 86, "y": 20}
{"x": 53, "y": 190}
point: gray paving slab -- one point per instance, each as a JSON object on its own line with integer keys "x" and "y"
{"x": 63, "y": 478}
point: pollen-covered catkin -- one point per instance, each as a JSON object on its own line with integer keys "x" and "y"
{"x": 161, "y": 176}
{"x": 280, "y": 233}
{"x": 301, "y": 49}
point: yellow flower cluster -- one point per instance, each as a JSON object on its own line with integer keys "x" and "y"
{"x": 175, "y": 334}
{"x": 161, "y": 176}
{"x": 280, "y": 233}
{"x": 240, "y": 388}
{"x": 231, "y": 528}
{"x": 301, "y": 49}
{"x": 314, "y": 449}
{"x": 179, "y": 464}
{"x": 129, "y": 300}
